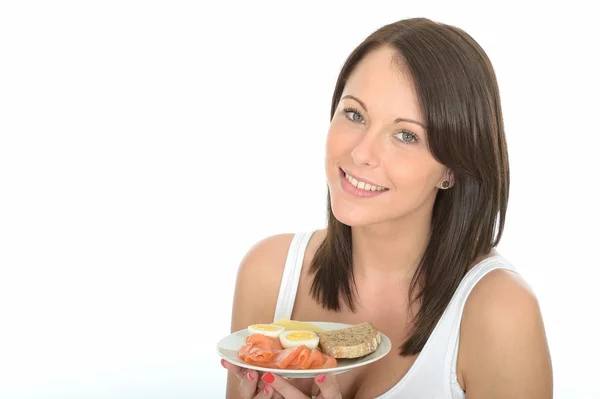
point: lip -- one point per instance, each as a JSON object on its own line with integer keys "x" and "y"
{"x": 355, "y": 191}
{"x": 360, "y": 178}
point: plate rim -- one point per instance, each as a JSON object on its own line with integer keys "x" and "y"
{"x": 308, "y": 372}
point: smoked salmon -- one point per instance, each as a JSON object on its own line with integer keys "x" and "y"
{"x": 264, "y": 351}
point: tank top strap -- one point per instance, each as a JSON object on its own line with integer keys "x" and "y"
{"x": 291, "y": 276}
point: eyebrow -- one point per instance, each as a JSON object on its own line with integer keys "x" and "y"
{"x": 395, "y": 121}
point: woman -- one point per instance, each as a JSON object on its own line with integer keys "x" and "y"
{"x": 418, "y": 178}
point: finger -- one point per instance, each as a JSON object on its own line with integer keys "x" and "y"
{"x": 248, "y": 384}
{"x": 328, "y": 386}
{"x": 261, "y": 385}
{"x": 265, "y": 393}
{"x": 238, "y": 371}
{"x": 285, "y": 389}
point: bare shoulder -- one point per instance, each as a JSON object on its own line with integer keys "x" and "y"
{"x": 264, "y": 261}
{"x": 504, "y": 350}
{"x": 258, "y": 280}
{"x": 502, "y": 290}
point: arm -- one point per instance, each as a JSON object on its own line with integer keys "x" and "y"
{"x": 504, "y": 351}
{"x": 256, "y": 289}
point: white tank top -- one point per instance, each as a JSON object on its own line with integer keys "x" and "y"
{"x": 433, "y": 374}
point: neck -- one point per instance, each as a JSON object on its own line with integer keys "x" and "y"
{"x": 391, "y": 251}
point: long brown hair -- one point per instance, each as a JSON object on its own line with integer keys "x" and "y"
{"x": 459, "y": 97}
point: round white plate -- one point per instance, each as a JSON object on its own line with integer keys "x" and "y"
{"x": 228, "y": 350}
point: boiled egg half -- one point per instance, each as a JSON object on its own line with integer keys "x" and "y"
{"x": 269, "y": 330}
{"x": 292, "y": 339}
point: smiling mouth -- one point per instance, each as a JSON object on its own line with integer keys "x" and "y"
{"x": 361, "y": 185}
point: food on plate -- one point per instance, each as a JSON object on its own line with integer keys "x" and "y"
{"x": 292, "y": 339}
{"x": 297, "y": 325}
{"x": 270, "y": 330}
{"x": 351, "y": 342}
{"x": 264, "y": 351}
{"x": 306, "y": 346}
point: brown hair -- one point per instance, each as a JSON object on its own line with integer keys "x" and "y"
{"x": 459, "y": 97}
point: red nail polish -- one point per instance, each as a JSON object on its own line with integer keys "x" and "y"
{"x": 266, "y": 389}
{"x": 321, "y": 379}
{"x": 268, "y": 378}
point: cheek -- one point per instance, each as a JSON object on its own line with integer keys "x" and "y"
{"x": 339, "y": 141}
{"x": 413, "y": 173}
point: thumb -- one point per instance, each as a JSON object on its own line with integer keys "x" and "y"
{"x": 328, "y": 386}
{"x": 238, "y": 371}
{"x": 281, "y": 385}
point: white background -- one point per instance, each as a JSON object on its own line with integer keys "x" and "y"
{"x": 145, "y": 146}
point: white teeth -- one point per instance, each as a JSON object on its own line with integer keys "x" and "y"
{"x": 362, "y": 185}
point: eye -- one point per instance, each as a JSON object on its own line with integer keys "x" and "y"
{"x": 406, "y": 137}
{"x": 353, "y": 115}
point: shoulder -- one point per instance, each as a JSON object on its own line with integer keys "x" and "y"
{"x": 262, "y": 266}
{"x": 504, "y": 350}
{"x": 501, "y": 290}
{"x": 258, "y": 280}
{"x": 500, "y": 303}
{"x": 266, "y": 257}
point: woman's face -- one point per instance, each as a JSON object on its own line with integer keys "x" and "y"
{"x": 378, "y": 165}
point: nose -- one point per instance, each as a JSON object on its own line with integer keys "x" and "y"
{"x": 365, "y": 151}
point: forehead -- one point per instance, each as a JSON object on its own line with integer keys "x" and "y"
{"x": 380, "y": 82}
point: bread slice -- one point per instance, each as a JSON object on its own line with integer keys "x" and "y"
{"x": 352, "y": 342}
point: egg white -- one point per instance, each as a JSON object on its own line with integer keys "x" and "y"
{"x": 287, "y": 342}
{"x": 268, "y": 330}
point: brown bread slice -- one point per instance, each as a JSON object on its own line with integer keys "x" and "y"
{"x": 352, "y": 342}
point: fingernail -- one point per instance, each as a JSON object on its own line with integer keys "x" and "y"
{"x": 321, "y": 378}
{"x": 250, "y": 375}
{"x": 223, "y": 363}
{"x": 266, "y": 389}
{"x": 268, "y": 378}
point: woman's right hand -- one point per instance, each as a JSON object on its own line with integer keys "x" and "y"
{"x": 251, "y": 386}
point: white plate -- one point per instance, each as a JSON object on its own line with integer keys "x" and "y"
{"x": 228, "y": 350}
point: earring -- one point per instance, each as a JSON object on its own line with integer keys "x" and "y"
{"x": 445, "y": 184}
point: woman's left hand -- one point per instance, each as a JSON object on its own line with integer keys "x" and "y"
{"x": 327, "y": 385}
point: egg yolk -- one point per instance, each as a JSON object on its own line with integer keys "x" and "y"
{"x": 300, "y": 336}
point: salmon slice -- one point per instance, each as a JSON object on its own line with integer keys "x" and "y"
{"x": 267, "y": 352}
{"x": 291, "y": 356}
{"x": 316, "y": 358}
{"x": 243, "y": 351}
{"x": 299, "y": 362}
{"x": 264, "y": 342}
{"x": 319, "y": 360}
{"x": 259, "y": 349}
{"x": 259, "y": 355}
{"x": 330, "y": 362}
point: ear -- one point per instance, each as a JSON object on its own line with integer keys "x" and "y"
{"x": 449, "y": 175}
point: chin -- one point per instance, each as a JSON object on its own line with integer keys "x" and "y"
{"x": 354, "y": 215}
